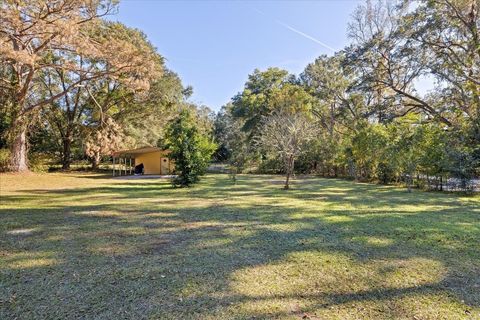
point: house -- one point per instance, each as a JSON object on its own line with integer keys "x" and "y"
{"x": 155, "y": 161}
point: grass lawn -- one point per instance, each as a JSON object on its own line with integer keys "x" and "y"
{"x": 88, "y": 246}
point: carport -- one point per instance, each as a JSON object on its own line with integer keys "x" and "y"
{"x": 155, "y": 161}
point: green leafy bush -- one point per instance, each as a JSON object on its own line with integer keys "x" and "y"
{"x": 4, "y": 159}
{"x": 190, "y": 150}
{"x": 40, "y": 162}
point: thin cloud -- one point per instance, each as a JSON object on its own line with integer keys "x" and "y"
{"x": 303, "y": 34}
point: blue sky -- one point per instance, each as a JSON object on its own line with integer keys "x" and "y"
{"x": 214, "y": 45}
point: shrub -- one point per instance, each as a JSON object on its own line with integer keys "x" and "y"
{"x": 190, "y": 150}
{"x": 4, "y": 159}
{"x": 40, "y": 162}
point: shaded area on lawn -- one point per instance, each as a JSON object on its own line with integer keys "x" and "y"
{"x": 327, "y": 248}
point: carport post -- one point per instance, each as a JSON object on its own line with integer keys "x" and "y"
{"x": 130, "y": 166}
{"x": 113, "y": 173}
{"x": 125, "y": 165}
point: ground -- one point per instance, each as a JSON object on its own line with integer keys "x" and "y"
{"x": 88, "y": 246}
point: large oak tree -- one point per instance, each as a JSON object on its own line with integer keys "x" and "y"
{"x": 44, "y": 37}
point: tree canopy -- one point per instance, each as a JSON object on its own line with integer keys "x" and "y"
{"x": 372, "y": 121}
{"x": 76, "y": 85}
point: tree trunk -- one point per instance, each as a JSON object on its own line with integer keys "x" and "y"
{"x": 287, "y": 186}
{"x": 96, "y": 161}
{"x": 18, "y": 156}
{"x": 409, "y": 180}
{"x": 290, "y": 164}
{"x": 67, "y": 152}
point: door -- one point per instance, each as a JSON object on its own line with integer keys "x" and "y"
{"x": 164, "y": 166}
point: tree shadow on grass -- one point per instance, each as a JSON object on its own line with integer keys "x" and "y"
{"x": 185, "y": 253}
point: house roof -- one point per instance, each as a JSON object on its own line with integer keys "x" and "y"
{"x": 133, "y": 152}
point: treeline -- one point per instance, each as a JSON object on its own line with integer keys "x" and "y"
{"x": 75, "y": 85}
{"x": 359, "y": 113}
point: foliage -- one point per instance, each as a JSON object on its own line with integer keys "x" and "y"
{"x": 40, "y": 162}
{"x": 232, "y": 140}
{"x": 71, "y": 80}
{"x": 190, "y": 150}
{"x": 4, "y": 123}
{"x": 265, "y": 92}
{"x": 4, "y": 159}
{"x": 373, "y": 123}
{"x": 149, "y": 115}
{"x": 67, "y": 42}
{"x": 103, "y": 141}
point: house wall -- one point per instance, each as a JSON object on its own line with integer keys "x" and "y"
{"x": 152, "y": 162}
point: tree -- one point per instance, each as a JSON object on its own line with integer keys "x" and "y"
{"x": 433, "y": 144}
{"x": 103, "y": 141}
{"x": 66, "y": 115}
{"x": 38, "y": 37}
{"x": 232, "y": 140}
{"x": 448, "y": 33}
{"x": 147, "y": 122}
{"x": 84, "y": 107}
{"x": 328, "y": 81}
{"x": 387, "y": 66}
{"x": 30, "y": 33}
{"x": 286, "y": 134}
{"x": 190, "y": 150}
{"x": 263, "y": 93}
{"x": 366, "y": 147}
{"x": 372, "y": 120}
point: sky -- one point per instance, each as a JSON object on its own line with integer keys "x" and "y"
{"x": 214, "y": 45}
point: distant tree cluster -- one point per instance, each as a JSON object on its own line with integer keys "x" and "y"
{"x": 371, "y": 123}
{"x": 75, "y": 85}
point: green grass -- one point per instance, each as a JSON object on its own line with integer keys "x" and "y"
{"x": 88, "y": 246}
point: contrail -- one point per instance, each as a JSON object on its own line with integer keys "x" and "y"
{"x": 303, "y": 34}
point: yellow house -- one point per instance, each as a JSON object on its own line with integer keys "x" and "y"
{"x": 155, "y": 161}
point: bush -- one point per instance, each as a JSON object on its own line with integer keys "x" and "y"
{"x": 385, "y": 173}
{"x": 190, "y": 150}
{"x": 40, "y": 162}
{"x": 463, "y": 168}
{"x": 4, "y": 159}
{"x": 271, "y": 166}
